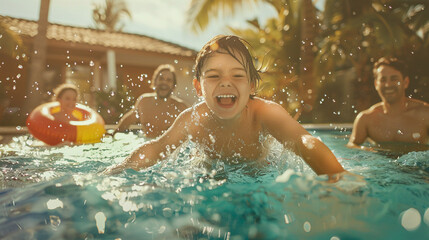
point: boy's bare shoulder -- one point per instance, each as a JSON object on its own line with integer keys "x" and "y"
{"x": 262, "y": 103}
{"x": 264, "y": 110}
{"x": 187, "y": 114}
{"x": 199, "y": 108}
{"x": 193, "y": 114}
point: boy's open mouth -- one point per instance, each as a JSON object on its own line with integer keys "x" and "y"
{"x": 226, "y": 100}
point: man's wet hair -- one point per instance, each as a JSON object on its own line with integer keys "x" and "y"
{"x": 232, "y": 45}
{"x": 59, "y": 91}
{"x": 393, "y": 62}
{"x": 161, "y": 68}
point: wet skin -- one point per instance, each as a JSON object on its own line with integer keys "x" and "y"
{"x": 396, "y": 119}
{"x": 227, "y": 125}
{"x": 157, "y": 111}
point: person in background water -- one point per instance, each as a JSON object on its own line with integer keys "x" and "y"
{"x": 230, "y": 123}
{"x": 155, "y": 111}
{"x": 67, "y": 95}
{"x": 397, "y": 118}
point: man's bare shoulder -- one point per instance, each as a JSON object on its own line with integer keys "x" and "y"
{"x": 146, "y": 97}
{"x": 177, "y": 99}
{"x": 372, "y": 111}
{"x": 419, "y": 110}
{"x": 179, "y": 102}
{"x": 414, "y": 104}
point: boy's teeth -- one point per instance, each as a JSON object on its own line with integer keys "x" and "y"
{"x": 226, "y": 99}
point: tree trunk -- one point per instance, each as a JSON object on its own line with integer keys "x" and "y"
{"x": 309, "y": 30}
{"x": 35, "y": 83}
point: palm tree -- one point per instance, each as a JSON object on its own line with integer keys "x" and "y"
{"x": 108, "y": 16}
{"x": 35, "y": 85}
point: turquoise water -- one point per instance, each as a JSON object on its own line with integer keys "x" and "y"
{"x": 58, "y": 193}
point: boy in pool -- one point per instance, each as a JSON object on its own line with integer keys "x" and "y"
{"x": 230, "y": 121}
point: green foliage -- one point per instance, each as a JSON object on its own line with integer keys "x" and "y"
{"x": 201, "y": 12}
{"x": 356, "y": 33}
{"x": 112, "y": 105}
{"x": 10, "y": 42}
{"x": 353, "y": 35}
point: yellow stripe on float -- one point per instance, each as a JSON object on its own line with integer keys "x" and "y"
{"x": 90, "y": 133}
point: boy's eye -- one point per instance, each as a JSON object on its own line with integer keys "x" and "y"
{"x": 238, "y": 75}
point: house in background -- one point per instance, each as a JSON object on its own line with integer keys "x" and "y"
{"x": 88, "y": 58}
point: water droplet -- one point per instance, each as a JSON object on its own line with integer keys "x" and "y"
{"x": 307, "y": 226}
{"x": 54, "y": 203}
{"x": 410, "y": 219}
{"x": 55, "y": 221}
{"x": 286, "y": 27}
{"x": 426, "y": 217}
{"x": 416, "y": 135}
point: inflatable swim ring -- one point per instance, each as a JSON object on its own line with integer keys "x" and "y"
{"x": 43, "y": 126}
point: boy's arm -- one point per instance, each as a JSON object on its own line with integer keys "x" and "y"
{"x": 285, "y": 129}
{"x": 153, "y": 151}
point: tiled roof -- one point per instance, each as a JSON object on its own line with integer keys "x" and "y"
{"x": 97, "y": 37}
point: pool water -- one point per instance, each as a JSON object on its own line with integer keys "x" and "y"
{"x": 59, "y": 193}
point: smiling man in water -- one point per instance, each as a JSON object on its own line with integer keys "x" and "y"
{"x": 397, "y": 118}
{"x": 155, "y": 111}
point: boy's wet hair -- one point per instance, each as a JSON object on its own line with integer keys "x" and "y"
{"x": 161, "y": 68}
{"x": 392, "y": 62}
{"x": 59, "y": 91}
{"x": 232, "y": 45}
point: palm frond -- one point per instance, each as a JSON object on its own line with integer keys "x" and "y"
{"x": 10, "y": 42}
{"x": 200, "y": 12}
{"x": 108, "y": 16}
